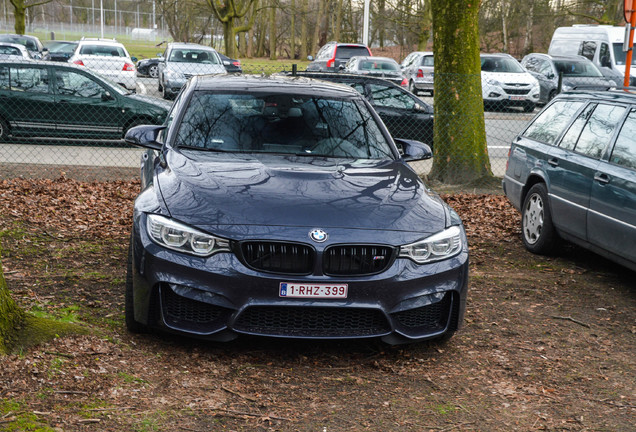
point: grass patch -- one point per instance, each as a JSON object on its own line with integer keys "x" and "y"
{"x": 15, "y": 418}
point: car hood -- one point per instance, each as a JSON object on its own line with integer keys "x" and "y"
{"x": 151, "y": 100}
{"x": 195, "y": 68}
{"x": 227, "y": 193}
{"x": 573, "y": 81}
{"x": 509, "y": 78}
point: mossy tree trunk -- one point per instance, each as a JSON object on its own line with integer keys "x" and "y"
{"x": 229, "y": 13}
{"x": 10, "y": 315}
{"x": 461, "y": 154}
{"x": 19, "y": 13}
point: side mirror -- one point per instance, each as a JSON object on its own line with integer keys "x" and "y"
{"x": 550, "y": 75}
{"x": 134, "y": 59}
{"x": 144, "y": 136}
{"x": 310, "y": 58}
{"x": 413, "y": 150}
{"x": 106, "y": 96}
{"x": 160, "y": 55}
{"x": 341, "y": 67}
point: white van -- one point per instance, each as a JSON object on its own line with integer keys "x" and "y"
{"x": 602, "y": 44}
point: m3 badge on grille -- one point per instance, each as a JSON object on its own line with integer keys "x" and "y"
{"x": 318, "y": 235}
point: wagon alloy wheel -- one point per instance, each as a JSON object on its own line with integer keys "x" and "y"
{"x": 539, "y": 235}
{"x": 153, "y": 71}
{"x": 533, "y": 219}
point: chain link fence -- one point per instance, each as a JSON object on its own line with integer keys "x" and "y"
{"x": 57, "y": 119}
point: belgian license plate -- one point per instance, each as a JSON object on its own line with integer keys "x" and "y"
{"x": 308, "y": 290}
{"x": 517, "y": 98}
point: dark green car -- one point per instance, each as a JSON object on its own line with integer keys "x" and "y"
{"x": 45, "y": 99}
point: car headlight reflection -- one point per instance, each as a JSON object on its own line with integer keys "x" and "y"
{"x": 177, "y": 236}
{"x": 440, "y": 246}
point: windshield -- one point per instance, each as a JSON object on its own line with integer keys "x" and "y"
{"x": 281, "y": 123}
{"x": 501, "y": 64}
{"x": 28, "y": 43}
{"x": 193, "y": 56}
{"x": 577, "y": 68}
{"x": 375, "y": 65}
{"x": 103, "y": 50}
{"x": 620, "y": 56}
{"x": 347, "y": 51}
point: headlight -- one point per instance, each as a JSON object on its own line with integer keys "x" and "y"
{"x": 440, "y": 246}
{"x": 493, "y": 82}
{"x": 565, "y": 87}
{"x": 177, "y": 236}
{"x": 173, "y": 74}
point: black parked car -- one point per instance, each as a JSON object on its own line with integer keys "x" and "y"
{"x": 61, "y": 50}
{"x": 280, "y": 207}
{"x": 403, "y": 113}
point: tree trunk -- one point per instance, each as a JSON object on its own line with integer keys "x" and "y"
{"x": 304, "y": 48}
{"x": 228, "y": 38}
{"x": 460, "y": 151}
{"x": 527, "y": 42}
{"x": 315, "y": 44}
{"x": 504, "y": 25}
{"x": 292, "y": 31}
{"x": 272, "y": 31}
{"x": 10, "y": 315}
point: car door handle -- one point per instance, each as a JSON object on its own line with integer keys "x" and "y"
{"x": 602, "y": 178}
{"x": 553, "y": 161}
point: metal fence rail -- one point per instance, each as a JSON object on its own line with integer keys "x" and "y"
{"x": 57, "y": 120}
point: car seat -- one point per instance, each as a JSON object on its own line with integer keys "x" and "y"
{"x": 177, "y": 56}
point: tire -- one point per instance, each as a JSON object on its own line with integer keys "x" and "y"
{"x": 552, "y": 95}
{"x": 412, "y": 87}
{"x": 4, "y": 129}
{"x": 165, "y": 94}
{"x": 129, "y": 303}
{"x": 528, "y": 107}
{"x": 537, "y": 230}
{"x": 153, "y": 71}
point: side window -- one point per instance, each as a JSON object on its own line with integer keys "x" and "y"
{"x": 604, "y": 54}
{"x": 599, "y": 129}
{"x": 587, "y": 49}
{"x": 4, "y": 78}
{"x": 572, "y": 135}
{"x": 545, "y": 68}
{"x": 70, "y": 83}
{"x": 28, "y": 79}
{"x": 390, "y": 97}
{"x": 624, "y": 153}
{"x": 357, "y": 87}
{"x": 547, "y": 126}
{"x": 531, "y": 65}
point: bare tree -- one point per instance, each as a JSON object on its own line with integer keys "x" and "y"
{"x": 229, "y": 13}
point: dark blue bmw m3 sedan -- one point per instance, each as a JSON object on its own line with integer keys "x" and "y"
{"x": 282, "y": 207}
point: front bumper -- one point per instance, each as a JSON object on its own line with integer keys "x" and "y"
{"x": 219, "y": 298}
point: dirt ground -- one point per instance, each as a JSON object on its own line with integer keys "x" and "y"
{"x": 549, "y": 343}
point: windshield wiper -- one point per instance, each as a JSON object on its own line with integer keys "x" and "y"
{"x": 210, "y": 149}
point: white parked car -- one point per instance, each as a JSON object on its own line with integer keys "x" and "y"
{"x": 505, "y": 83}
{"x": 109, "y": 58}
{"x": 11, "y": 50}
{"x": 181, "y": 61}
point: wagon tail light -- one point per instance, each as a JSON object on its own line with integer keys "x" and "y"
{"x": 330, "y": 62}
{"x": 420, "y": 73}
{"x": 129, "y": 67}
{"x": 404, "y": 83}
{"x": 79, "y": 62}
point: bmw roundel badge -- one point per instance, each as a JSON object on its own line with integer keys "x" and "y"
{"x": 318, "y": 235}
